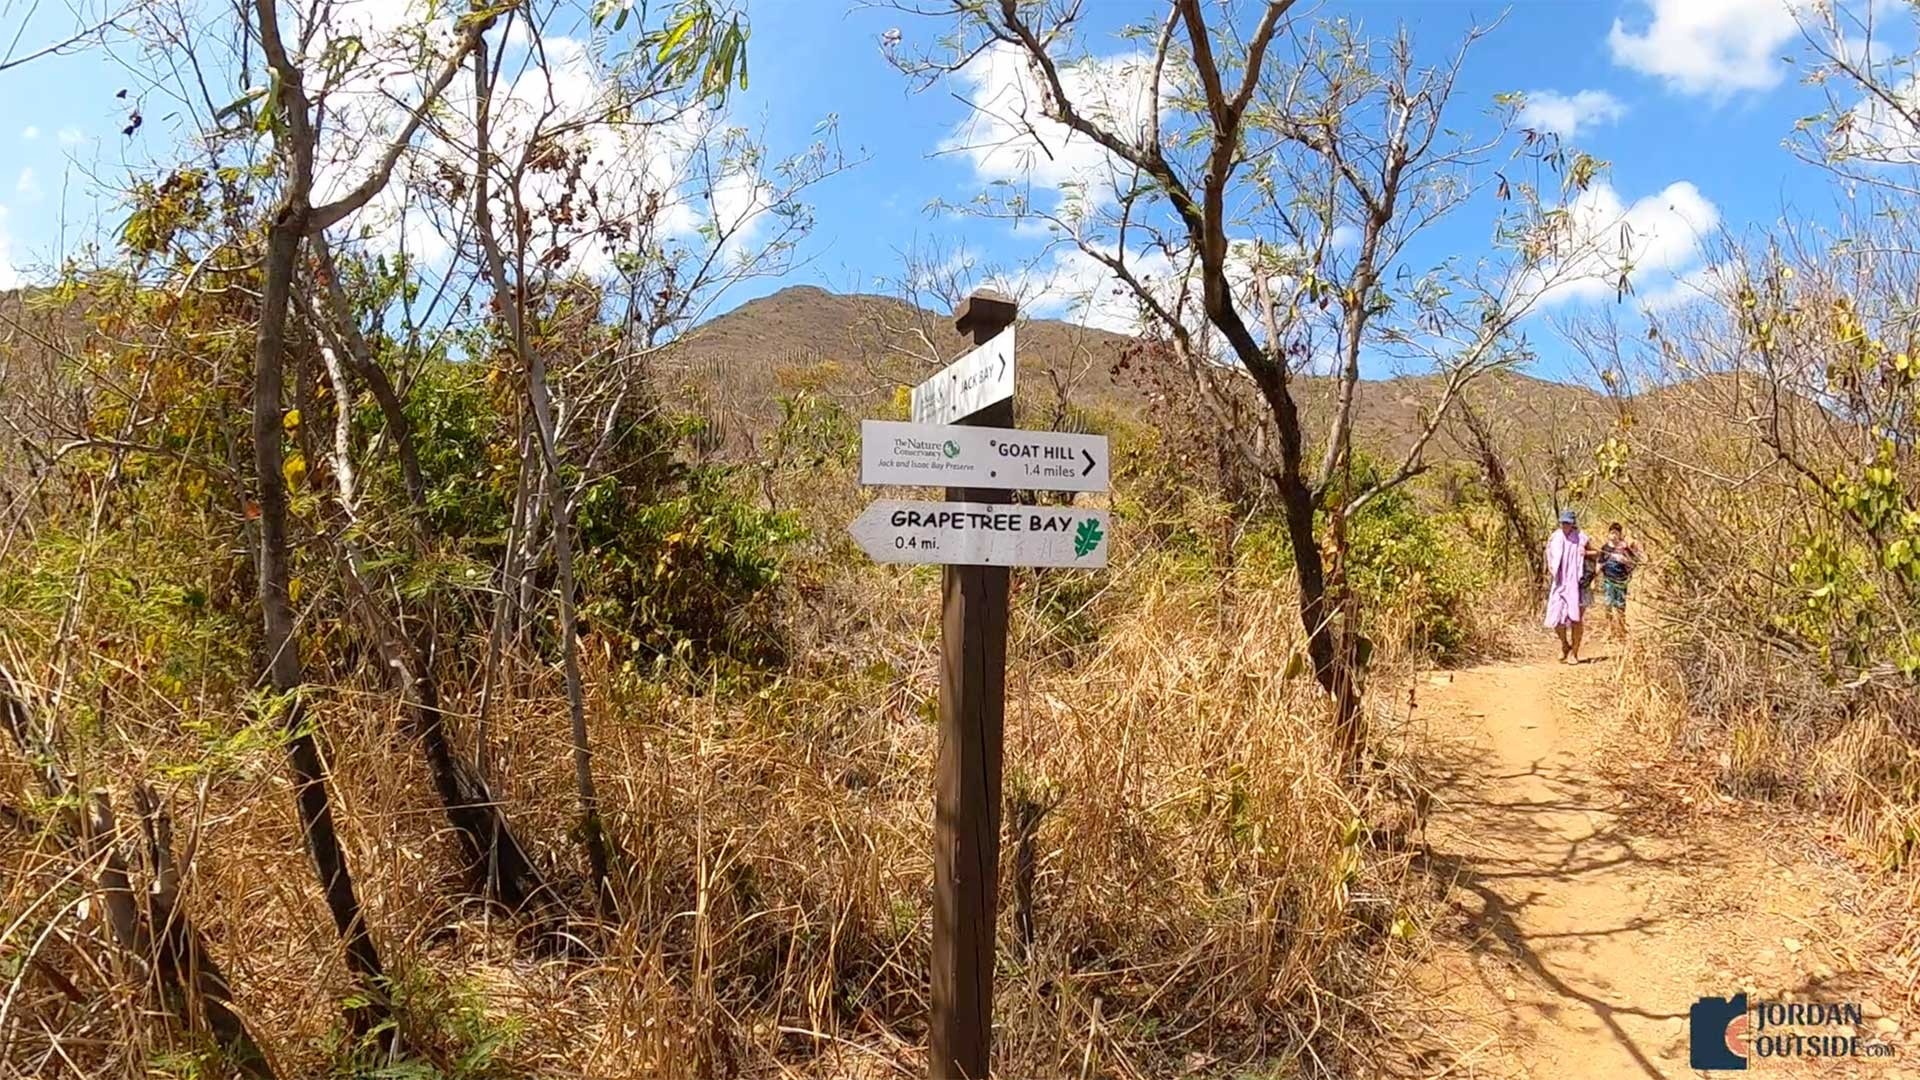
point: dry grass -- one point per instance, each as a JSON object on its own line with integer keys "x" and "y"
{"x": 1761, "y": 727}
{"x": 1203, "y": 899}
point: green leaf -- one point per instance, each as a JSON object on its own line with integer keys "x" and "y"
{"x": 1296, "y": 667}
{"x": 1086, "y": 538}
{"x": 678, "y": 31}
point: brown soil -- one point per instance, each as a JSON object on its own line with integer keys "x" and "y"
{"x": 1589, "y": 896}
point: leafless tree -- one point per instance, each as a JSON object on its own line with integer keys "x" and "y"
{"x": 538, "y": 210}
{"x": 1259, "y": 210}
{"x": 295, "y": 123}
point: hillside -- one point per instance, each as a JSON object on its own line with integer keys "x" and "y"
{"x": 860, "y": 349}
{"x": 857, "y": 348}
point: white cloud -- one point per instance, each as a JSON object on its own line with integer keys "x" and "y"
{"x": 1564, "y": 115}
{"x": 1007, "y": 137}
{"x": 602, "y": 185}
{"x": 70, "y": 136}
{"x": 9, "y": 275}
{"x": 1712, "y": 48}
{"x": 30, "y": 133}
{"x": 1081, "y": 289}
{"x": 1876, "y": 131}
{"x": 1656, "y": 238}
{"x": 1709, "y": 282}
{"x": 28, "y": 185}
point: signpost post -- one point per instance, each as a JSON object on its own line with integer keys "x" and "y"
{"x": 973, "y": 676}
{"x": 963, "y": 437}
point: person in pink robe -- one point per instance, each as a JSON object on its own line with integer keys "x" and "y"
{"x": 1566, "y": 561}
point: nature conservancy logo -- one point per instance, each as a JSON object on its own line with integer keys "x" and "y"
{"x": 951, "y": 449}
{"x": 1726, "y": 1033}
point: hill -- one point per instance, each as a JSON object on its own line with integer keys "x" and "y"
{"x": 860, "y": 350}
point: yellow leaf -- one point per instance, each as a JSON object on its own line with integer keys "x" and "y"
{"x": 294, "y": 469}
{"x": 292, "y": 420}
{"x": 293, "y": 590}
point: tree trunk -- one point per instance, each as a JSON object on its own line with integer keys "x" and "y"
{"x": 509, "y": 302}
{"x": 592, "y": 830}
{"x": 359, "y": 357}
{"x": 276, "y": 611}
{"x": 1329, "y": 647}
{"x": 492, "y": 855}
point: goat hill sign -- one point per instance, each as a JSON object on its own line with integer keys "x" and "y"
{"x": 981, "y": 457}
{"x": 933, "y": 451}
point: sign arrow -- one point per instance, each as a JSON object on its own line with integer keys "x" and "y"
{"x": 939, "y": 455}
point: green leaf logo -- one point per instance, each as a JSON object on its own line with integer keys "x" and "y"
{"x": 951, "y": 449}
{"x": 1086, "y": 538}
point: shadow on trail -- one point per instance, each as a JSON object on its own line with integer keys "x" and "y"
{"x": 1544, "y": 824}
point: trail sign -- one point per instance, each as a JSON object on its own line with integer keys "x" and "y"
{"x": 982, "y": 534}
{"x": 981, "y": 457}
{"x": 969, "y": 384}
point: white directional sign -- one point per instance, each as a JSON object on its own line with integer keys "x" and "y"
{"x": 981, "y": 457}
{"x": 969, "y": 384}
{"x": 982, "y": 534}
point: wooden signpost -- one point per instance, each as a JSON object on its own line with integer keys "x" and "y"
{"x": 977, "y": 535}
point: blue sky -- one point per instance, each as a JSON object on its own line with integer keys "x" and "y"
{"x": 1687, "y": 99}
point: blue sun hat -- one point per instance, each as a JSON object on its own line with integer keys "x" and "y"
{"x": 1567, "y": 517}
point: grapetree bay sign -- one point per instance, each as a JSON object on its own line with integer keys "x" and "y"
{"x": 969, "y": 384}
{"x": 982, "y": 534}
{"x": 981, "y": 457}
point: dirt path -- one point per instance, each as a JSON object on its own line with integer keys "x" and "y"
{"x": 1585, "y": 909}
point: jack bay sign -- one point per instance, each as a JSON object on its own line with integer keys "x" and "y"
{"x": 982, "y": 534}
{"x": 981, "y": 457}
{"x": 969, "y": 384}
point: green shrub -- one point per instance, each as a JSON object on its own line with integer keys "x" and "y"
{"x": 689, "y": 574}
{"x": 1402, "y": 561}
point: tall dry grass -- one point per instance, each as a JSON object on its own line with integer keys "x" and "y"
{"x": 1195, "y": 875}
{"x": 1759, "y": 728}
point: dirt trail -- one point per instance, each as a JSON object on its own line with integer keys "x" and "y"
{"x": 1586, "y": 909}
